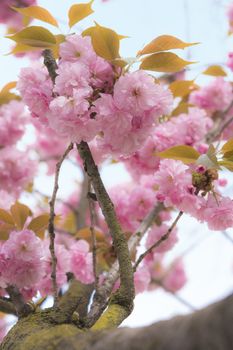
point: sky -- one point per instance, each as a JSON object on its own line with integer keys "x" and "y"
{"x": 209, "y": 259}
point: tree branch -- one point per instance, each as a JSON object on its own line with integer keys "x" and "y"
{"x": 100, "y": 300}
{"x": 7, "y": 306}
{"x": 124, "y": 296}
{"x": 157, "y": 243}
{"x": 22, "y": 308}
{"x": 217, "y": 131}
{"x": 51, "y": 228}
{"x": 207, "y": 329}
{"x": 93, "y": 235}
{"x": 50, "y": 64}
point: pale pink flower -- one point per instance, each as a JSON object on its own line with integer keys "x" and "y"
{"x": 71, "y": 76}
{"x": 102, "y": 74}
{"x": 81, "y": 262}
{"x": 16, "y": 170}
{"x": 137, "y": 92}
{"x": 141, "y": 279}
{"x": 62, "y": 268}
{"x": 70, "y": 117}
{"x": 216, "y": 96}
{"x": 155, "y": 234}
{"x": 35, "y": 87}
{"x": 77, "y": 49}
{"x": 122, "y": 132}
{"x": 218, "y": 213}
{"x": 13, "y": 118}
{"x": 173, "y": 181}
{"x": 24, "y": 245}
{"x": 175, "y": 278}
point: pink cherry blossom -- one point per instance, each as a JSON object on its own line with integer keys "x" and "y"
{"x": 173, "y": 181}
{"x": 35, "y": 86}
{"x": 218, "y": 213}
{"x": 77, "y": 49}
{"x": 154, "y": 235}
{"x": 70, "y": 117}
{"x": 24, "y": 245}
{"x": 62, "y": 268}
{"x": 141, "y": 279}
{"x": 175, "y": 278}
{"x": 214, "y": 97}
{"x": 137, "y": 92}
{"x": 71, "y": 76}
{"x": 81, "y": 262}
{"x": 13, "y": 118}
{"x": 16, "y": 170}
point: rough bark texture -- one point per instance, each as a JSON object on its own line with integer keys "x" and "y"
{"x": 207, "y": 329}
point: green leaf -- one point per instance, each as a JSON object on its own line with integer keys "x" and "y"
{"x": 34, "y": 36}
{"x": 39, "y": 224}
{"x": 226, "y": 164}
{"x": 228, "y": 146}
{"x": 5, "y": 95}
{"x": 164, "y": 43}
{"x": 5, "y": 230}
{"x": 181, "y": 88}
{"x": 78, "y": 12}
{"x": 166, "y": 62}
{"x": 37, "y": 12}
{"x": 20, "y": 213}
{"x": 215, "y": 70}
{"x": 183, "y": 107}
{"x": 105, "y": 41}
{"x": 9, "y": 86}
{"x": 186, "y": 154}
{"x": 6, "y": 217}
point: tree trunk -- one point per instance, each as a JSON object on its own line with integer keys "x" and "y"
{"x": 207, "y": 329}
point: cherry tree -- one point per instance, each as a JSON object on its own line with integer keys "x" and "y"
{"x": 93, "y": 250}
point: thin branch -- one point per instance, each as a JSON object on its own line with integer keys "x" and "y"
{"x": 51, "y": 228}
{"x": 7, "y": 306}
{"x": 22, "y": 308}
{"x": 93, "y": 235}
{"x": 81, "y": 211}
{"x": 50, "y": 64}
{"x": 217, "y": 131}
{"x": 161, "y": 240}
{"x": 144, "y": 226}
{"x": 125, "y": 294}
{"x": 100, "y": 299}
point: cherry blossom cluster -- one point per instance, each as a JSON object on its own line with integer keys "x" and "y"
{"x": 91, "y": 99}
{"x": 25, "y": 262}
{"x": 16, "y": 169}
{"x": 9, "y": 16}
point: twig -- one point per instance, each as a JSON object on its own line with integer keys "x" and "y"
{"x": 81, "y": 211}
{"x": 21, "y": 307}
{"x": 125, "y": 294}
{"x": 161, "y": 240}
{"x": 93, "y": 235}
{"x": 7, "y": 306}
{"x": 213, "y": 134}
{"x": 100, "y": 299}
{"x": 50, "y": 64}
{"x": 51, "y": 228}
{"x": 144, "y": 226}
